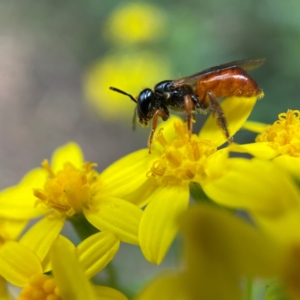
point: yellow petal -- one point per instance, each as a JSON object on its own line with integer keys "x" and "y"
{"x": 46, "y": 263}
{"x": 127, "y": 174}
{"x": 283, "y": 227}
{"x": 35, "y": 178}
{"x": 19, "y": 203}
{"x": 40, "y": 237}
{"x": 3, "y": 290}
{"x": 261, "y": 150}
{"x": 222, "y": 249}
{"x": 18, "y": 263}
{"x": 256, "y": 185}
{"x": 95, "y": 252}
{"x": 11, "y": 229}
{"x": 68, "y": 274}
{"x": 168, "y": 131}
{"x": 236, "y": 111}
{"x": 117, "y": 216}
{"x": 255, "y": 126}
{"x": 290, "y": 163}
{"x": 70, "y": 152}
{"x": 107, "y": 293}
{"x": 167, "y": 286}
{"x": 142, "y": 194}
{"x": 216, "y": 164}
{"x": 159, "y": 221}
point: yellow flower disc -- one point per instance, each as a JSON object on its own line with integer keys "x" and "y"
{"x": 284, "y": 134}
{"x": 184, "y": 159}
{"x": 134, "y": 23}
{"x": 40, "y": 287}
{"x": 68, "y": 190}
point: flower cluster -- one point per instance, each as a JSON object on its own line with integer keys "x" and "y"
{"x": 144, "y": 199}
{"x": 235, "y": 206}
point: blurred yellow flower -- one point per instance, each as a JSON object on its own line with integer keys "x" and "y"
{"x": 222, "y": 251}
{"x": 134, "y": 23}
{"x": 128, "y": 72}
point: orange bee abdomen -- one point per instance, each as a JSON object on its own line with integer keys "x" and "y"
{"x": 226, "y": 83}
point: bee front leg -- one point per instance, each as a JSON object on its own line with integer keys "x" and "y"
{"x": 159, "y": 113}
{"x": 214, "y": 105}
{"x": 189, "y": 108}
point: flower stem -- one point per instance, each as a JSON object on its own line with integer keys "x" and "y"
{"x": 83, "y": 228}
{"x": 249, "y": 288}
{"x": 199, "y": 195}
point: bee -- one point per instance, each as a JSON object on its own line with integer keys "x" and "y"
{"x": 199, "y": 91}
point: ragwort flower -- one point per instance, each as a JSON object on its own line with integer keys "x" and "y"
{"x": 69, "y": 188}
{"x": 135, "y": 23}
{"x": 70, "y": 276}
{"x": 278, "y": 139}
{"x": 181, "y": 159}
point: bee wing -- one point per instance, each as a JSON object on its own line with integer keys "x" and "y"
{"x": 246, "y": 64}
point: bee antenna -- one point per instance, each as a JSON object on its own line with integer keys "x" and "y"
{"x": 122, "y": 92}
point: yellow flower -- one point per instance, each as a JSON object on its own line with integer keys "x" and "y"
{"x": 21, "y": 267}
{"x": 284, "y": 134}
{"x": 135, "y": 23}
{"x": 279, "y": 141}
{"x": 130, "y": 72}
{"x": 178, "y": 161}
{"x": 221, "y": 251}
{"x": 71, "y": 188}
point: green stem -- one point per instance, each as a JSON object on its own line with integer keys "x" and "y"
{"x": 249, "y": 288}
{"x": 113, "y": 282}
{"x": 199, "y": 195}
{"x": 83, "y": 228}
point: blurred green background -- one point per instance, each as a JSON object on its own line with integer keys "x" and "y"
{"x": 58, "y": 58}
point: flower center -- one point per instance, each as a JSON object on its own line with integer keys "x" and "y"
{"x": 284, "y": 134}
{"x": 183, "y": 160}
{"x": 40, "y": 287}
{"x": 69, "y": 190}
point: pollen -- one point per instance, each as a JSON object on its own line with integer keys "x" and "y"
{"x": 183, "y": 160}
{"x": 284, "y": 134}
{"x": 40, "y": 287}
{"x": 69, "y": 190}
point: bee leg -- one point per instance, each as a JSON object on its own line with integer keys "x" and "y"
{"x": 189, "y": 109}
{"x": 216, "y": 109}
{"x": 159, "y": 113}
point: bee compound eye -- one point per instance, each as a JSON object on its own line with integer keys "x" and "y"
{"x": 146, "y": 103}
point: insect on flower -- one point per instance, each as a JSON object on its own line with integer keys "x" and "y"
{"x": 199, "y": 91}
